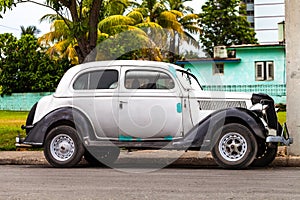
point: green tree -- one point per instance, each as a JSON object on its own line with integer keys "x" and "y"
{"x": 224, "y": 22}
{"x": 129, "y": 37}
{"x": 163, "y": 14}
{"x": 24, "y": 67}
{"x": 31, "y": 30}
{"x": 115, "y": 7}
{"x": 80, "y": 16}
{"x": 60, "y": 40}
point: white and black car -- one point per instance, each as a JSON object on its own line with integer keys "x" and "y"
{"x": 100, "y": 107}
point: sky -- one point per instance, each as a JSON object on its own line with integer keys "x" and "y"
{"x": 29, "y": 14}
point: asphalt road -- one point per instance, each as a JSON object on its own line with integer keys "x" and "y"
{"x": 44, "y": 182}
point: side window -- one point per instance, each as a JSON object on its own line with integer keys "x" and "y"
{"x": 81, "y": 82}
{"x": 102, "y": 79}
{"x": 142, "y": 79}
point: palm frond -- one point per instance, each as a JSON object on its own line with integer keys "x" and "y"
{"x": 136, "y": 15}
{"x": 169, "y": 20}
{"x": 189, "y": 18}
{"x": 50, "y": 18}
{"x": 149, "y": 25}
{"x": 110, "y": 23}
{"x": 191, "y": 40}
{"x": 176, "y": 12}
{"x": 192, "y": 29}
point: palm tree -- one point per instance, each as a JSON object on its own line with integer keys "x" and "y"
{"x": 61, "y": 41}
{"x": 151, "y": 16}
{"x": 30, "y": 30}
{"x": 173, "y": 16}
{"x": 115, "y": 7}
{"x": 188, "y": 21}
{"x": 132, "y": 28}
{"x": 179, "y": 5}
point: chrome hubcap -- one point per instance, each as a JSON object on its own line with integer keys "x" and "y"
{"x": 62, "y": 147}
{"x": 232, "y": 146}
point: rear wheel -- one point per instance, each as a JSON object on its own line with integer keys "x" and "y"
{"x": 92, "y": 161}
{"x": 235, "y": 148}
{"x": 97, "y": 156}
{"x": 63, "y": 147}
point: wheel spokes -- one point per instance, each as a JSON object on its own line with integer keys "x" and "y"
{"x": 232, "y": 146}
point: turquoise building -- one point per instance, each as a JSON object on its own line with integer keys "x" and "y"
{"x": 243, "y": 68}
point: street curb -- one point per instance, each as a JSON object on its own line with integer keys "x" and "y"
{"x": 22, "y": 158}
{"x": 288, "y": 161}
{"x": 171, "y": 158}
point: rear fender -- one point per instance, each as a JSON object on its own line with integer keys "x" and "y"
{"x": 205, "y": 133}
{"x": 67, "y": 116}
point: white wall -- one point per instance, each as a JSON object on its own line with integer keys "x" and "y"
{"x": 293, "y": 72}
{"x": 267, "y": 15}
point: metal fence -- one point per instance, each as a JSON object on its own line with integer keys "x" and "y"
{"x": 278, "y": 92}
{"x": 24, "y": 101}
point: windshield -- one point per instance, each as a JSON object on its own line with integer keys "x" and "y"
{"x": 188, "y": 80}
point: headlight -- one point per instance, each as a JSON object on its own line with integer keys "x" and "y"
{"x": 267, "y": 109}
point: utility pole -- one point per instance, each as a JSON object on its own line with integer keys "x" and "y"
{"x": 292, "y": 15}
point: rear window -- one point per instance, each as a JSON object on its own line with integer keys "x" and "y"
{"x": 101, "y": 79}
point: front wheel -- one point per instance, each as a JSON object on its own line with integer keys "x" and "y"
{"x": 63, "y": 147}
{"x": 266, "y": 154}
{"x": 236, "y": 147}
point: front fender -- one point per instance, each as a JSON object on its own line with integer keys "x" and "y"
{"x": 66, "y": 115}
{"x": 204, "y": 133}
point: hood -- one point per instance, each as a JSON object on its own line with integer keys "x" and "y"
{"x": 221, "y": 95}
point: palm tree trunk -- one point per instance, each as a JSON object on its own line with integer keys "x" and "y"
{"x": 93, "y": 23}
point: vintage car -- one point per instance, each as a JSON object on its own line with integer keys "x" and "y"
{"x": 100, "y": 107}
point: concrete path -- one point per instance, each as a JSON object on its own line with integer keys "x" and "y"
{"x": 190, "y": 158}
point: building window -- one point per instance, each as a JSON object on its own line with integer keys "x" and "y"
{"x": 264, "y": 71}
{"x": 218, "y": 68}
{"x": 250, "y": 12}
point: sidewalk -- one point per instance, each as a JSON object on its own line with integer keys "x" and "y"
{"x": 176, "y": 158}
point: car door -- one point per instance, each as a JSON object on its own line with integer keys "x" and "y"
{"x": 96, "y": 95}
{"x": 150, "y": 105}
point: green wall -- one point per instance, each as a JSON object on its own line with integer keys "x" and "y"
{"x": 239, "y": 73}
{"x": 20, "y": 101}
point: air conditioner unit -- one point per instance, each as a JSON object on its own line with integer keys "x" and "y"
{"x": 220, "y": 52}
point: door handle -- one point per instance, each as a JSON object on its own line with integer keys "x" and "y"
{"x": 121, "y": 104}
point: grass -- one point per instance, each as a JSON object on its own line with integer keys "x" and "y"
{"x": 10, "y": 127}
{"x": 281, "y": 117}
{"x": 11, "y": 121}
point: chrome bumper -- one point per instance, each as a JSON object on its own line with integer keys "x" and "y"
{"x": 284, "y": 138}
{"x": 19, "y": 143}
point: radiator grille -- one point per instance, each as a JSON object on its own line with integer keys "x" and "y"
{"x": 216, "y": 105}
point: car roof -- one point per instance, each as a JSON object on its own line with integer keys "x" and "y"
{"x": 132, "y": 63}
{"x": 62, "y": 86}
